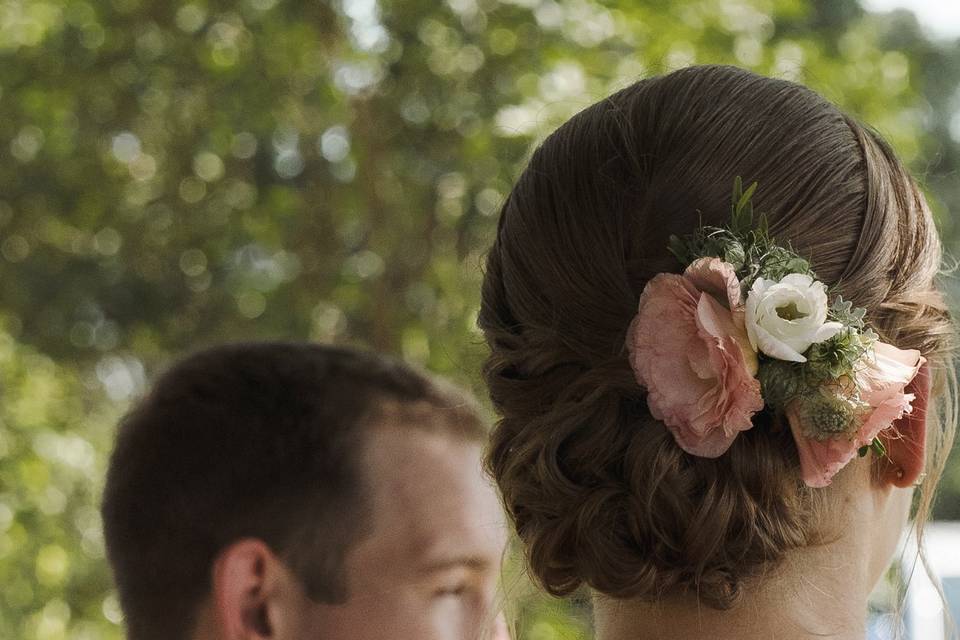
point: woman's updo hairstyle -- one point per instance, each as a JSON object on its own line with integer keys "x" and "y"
{"x": 597, "y": 489}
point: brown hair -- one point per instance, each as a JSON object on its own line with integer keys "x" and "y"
{"x": 254, "y": 440}
{"x": 597, "y": 489}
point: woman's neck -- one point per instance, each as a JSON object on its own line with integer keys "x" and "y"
{"x": 817, "y": 593}
{"x": 822, "y": 618}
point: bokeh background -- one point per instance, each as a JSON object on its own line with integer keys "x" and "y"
{"x": 174, "y": 174}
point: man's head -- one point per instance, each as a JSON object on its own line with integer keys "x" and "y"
{"x": 292, "y": 491}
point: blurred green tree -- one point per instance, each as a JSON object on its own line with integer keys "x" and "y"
{"x": 181, "y": 173}
{"x": 54, "y": 426}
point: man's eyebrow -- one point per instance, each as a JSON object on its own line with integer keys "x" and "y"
{"x": 477, "y": 563}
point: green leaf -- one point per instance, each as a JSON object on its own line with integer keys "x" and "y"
{"x": 745, "y": 197}
{"x": 763, "y": 228}
{"x": 680, "y": 249}
{"x": 878, "y": 447}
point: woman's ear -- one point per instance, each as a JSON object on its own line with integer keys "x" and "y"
{"x": 254, "y": 595}
{"x": 906, "y": 442}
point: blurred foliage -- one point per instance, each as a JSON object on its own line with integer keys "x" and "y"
{"x": 180, "y": 173}
{"x": 54, "y": 427}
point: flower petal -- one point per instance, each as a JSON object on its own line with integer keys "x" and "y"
{"x": 720, "y": 322}
{"x": 776, "y": 348}
{"x": 754, "y": 297}
{"x": 716, "y": 277}
{"x": 799, "y": 280}
{"x": 827, "y": 330}
{"x": 883, "y": 416}
{"x": 712, "y": 444}
{"x": 743, "y": 341}
{"x": 882, "y": 381}
{"x": 892, "y": 366}
{"x": 820, "y": 460}
{"x": 658, "y": 356}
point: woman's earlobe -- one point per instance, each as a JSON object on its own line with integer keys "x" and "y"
{"x": 906, "y": 440}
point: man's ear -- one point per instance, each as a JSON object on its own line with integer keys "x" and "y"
{"x": 255, "y": 596}
{"x": 906, "y": 443}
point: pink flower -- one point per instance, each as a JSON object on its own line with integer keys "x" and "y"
{"x": 689, "y": 349}
{"x": 881, "y": 382}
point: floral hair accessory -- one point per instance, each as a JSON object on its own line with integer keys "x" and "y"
{"x": 748, "y": 326}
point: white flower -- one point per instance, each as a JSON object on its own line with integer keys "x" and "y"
{"x": 784, "y": 318}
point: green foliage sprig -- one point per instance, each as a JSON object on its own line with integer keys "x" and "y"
{"x": 746, "y": 243}
{"x": 834, "y": 358}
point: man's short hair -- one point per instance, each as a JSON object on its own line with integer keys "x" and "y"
{"x": 255, "y": 440}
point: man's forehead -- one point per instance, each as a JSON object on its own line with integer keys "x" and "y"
{"x": 412, "y": 469}
{"x": 428, "y": 494}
